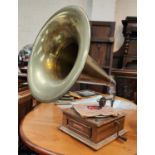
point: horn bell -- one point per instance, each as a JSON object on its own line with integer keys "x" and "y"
{"x": 60, "y": 53}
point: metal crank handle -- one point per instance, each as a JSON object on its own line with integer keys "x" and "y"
{"x": 122, "y": 138}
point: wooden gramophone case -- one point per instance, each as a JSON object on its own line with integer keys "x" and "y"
{"x": 94, "y": 132}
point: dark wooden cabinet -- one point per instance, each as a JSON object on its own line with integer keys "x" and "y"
{"x": 125, "y": 61}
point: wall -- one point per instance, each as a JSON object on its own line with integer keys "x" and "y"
{"x": 34, "y": 13}
{"x": 103, "y": 10}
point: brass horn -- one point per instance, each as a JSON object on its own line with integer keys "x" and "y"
{"x": 60, "y": 54}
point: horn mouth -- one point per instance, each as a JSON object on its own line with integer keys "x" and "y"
{"x": 59, "y": 54}
{"x": 65, "y": 60}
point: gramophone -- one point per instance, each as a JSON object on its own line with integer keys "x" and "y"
{"x": 59, "y": 58}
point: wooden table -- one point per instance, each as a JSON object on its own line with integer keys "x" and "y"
{"x": 39, "y": 130}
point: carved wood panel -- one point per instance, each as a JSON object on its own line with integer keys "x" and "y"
{"x": 102, "y": 34}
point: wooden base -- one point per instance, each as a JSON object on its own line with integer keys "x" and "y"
{"x": 90, "y": 143}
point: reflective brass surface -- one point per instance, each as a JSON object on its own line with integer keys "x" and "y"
{"x": 59, "y": 55}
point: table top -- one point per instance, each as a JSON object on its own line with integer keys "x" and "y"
{"x": 40, "y": 131}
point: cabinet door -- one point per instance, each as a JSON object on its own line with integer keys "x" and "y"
{"x": 101, "y": 48}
